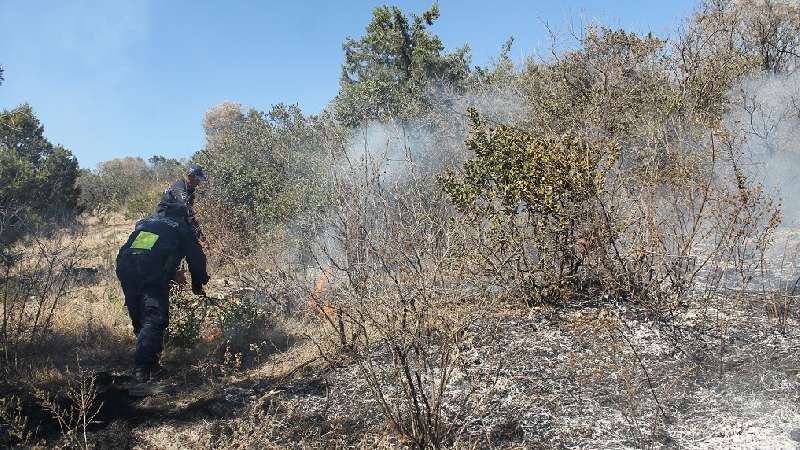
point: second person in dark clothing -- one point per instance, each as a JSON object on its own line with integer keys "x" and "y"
{"x": 180, "y": 194}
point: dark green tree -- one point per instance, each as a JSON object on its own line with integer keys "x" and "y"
{"x": 18, "y": 179}
{"x": 57, "y": 173}
{"x": 388, "y": 73}
{"x": 37, "y": 179}
{"x": 21, "y": 132}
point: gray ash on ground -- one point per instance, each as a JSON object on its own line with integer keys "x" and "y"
{"x": 605, "y": 378}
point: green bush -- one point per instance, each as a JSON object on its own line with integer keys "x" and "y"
{"x": 142, "y": 204}
{"x": 549, "y": 178}
{"x": 537, "y": 196}
{"x": 38, "y": 177}
{"x": 233, "y": 321}
{"x": 186, "y": 316}
{"x": 264, "y": 171}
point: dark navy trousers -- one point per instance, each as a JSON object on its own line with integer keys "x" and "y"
{"x": 147, "y": 300}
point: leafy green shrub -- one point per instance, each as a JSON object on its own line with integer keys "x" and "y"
{"x": 235, "y": 321}
{"x": 550, "y": 178}
{"x": 537, "y": 196}
{"x": 186, "y": 316}
{"x": 142, "y": 204}
{"x": 263, "y": 171}
{"x": 38, "y": 177}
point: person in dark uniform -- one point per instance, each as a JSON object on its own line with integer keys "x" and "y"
{"x": 181, "y": 193}
{"x": 146, "y": 265}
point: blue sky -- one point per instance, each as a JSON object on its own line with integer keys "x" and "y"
{"x": 134, "y": 77}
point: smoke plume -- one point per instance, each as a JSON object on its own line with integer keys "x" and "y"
{"x": 767, "y": 119}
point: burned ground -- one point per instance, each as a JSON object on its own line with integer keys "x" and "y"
{"x": 721, "y": 373}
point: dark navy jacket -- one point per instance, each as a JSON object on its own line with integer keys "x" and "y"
{"x": 155, "y": 249}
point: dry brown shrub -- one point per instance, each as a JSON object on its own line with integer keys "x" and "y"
{"x": 33, "y": 286}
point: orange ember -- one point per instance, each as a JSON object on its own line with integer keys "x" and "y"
{"x": 314, "y": 301}
{"x": 213, "y": 334}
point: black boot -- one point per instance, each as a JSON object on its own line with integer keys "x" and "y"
{"x": 157, "y": 372}
{"x": 146, "y": 382}
{"x": 141, "y": 375}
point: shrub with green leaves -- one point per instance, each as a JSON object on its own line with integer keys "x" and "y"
{"x": 142, "y": 204}
{"x": 264, "y": 172}
{"x": 235, "y": 321}
{"x": 534, "y": 197}
{"x": 38, "y": 178}
{"x": 550, "y": 178}
{"x": 186, "y": 316}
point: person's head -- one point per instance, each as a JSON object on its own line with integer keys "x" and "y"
{"x": 194, "y": 175}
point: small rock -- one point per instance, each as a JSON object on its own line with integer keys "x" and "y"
{"x": 235, "y": 394}
{"x": 795, "y": 434}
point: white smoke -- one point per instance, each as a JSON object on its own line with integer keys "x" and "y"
{"x": 384, "y": 161}
{"x": 387, "y": 151}
{"x": 767, "y": 118}
{"x": 427, "y": 146}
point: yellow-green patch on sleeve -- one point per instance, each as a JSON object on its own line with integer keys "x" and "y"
{"x": 145, "y": 240}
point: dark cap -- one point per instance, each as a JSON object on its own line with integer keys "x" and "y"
{"x": 196, "y": 172}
